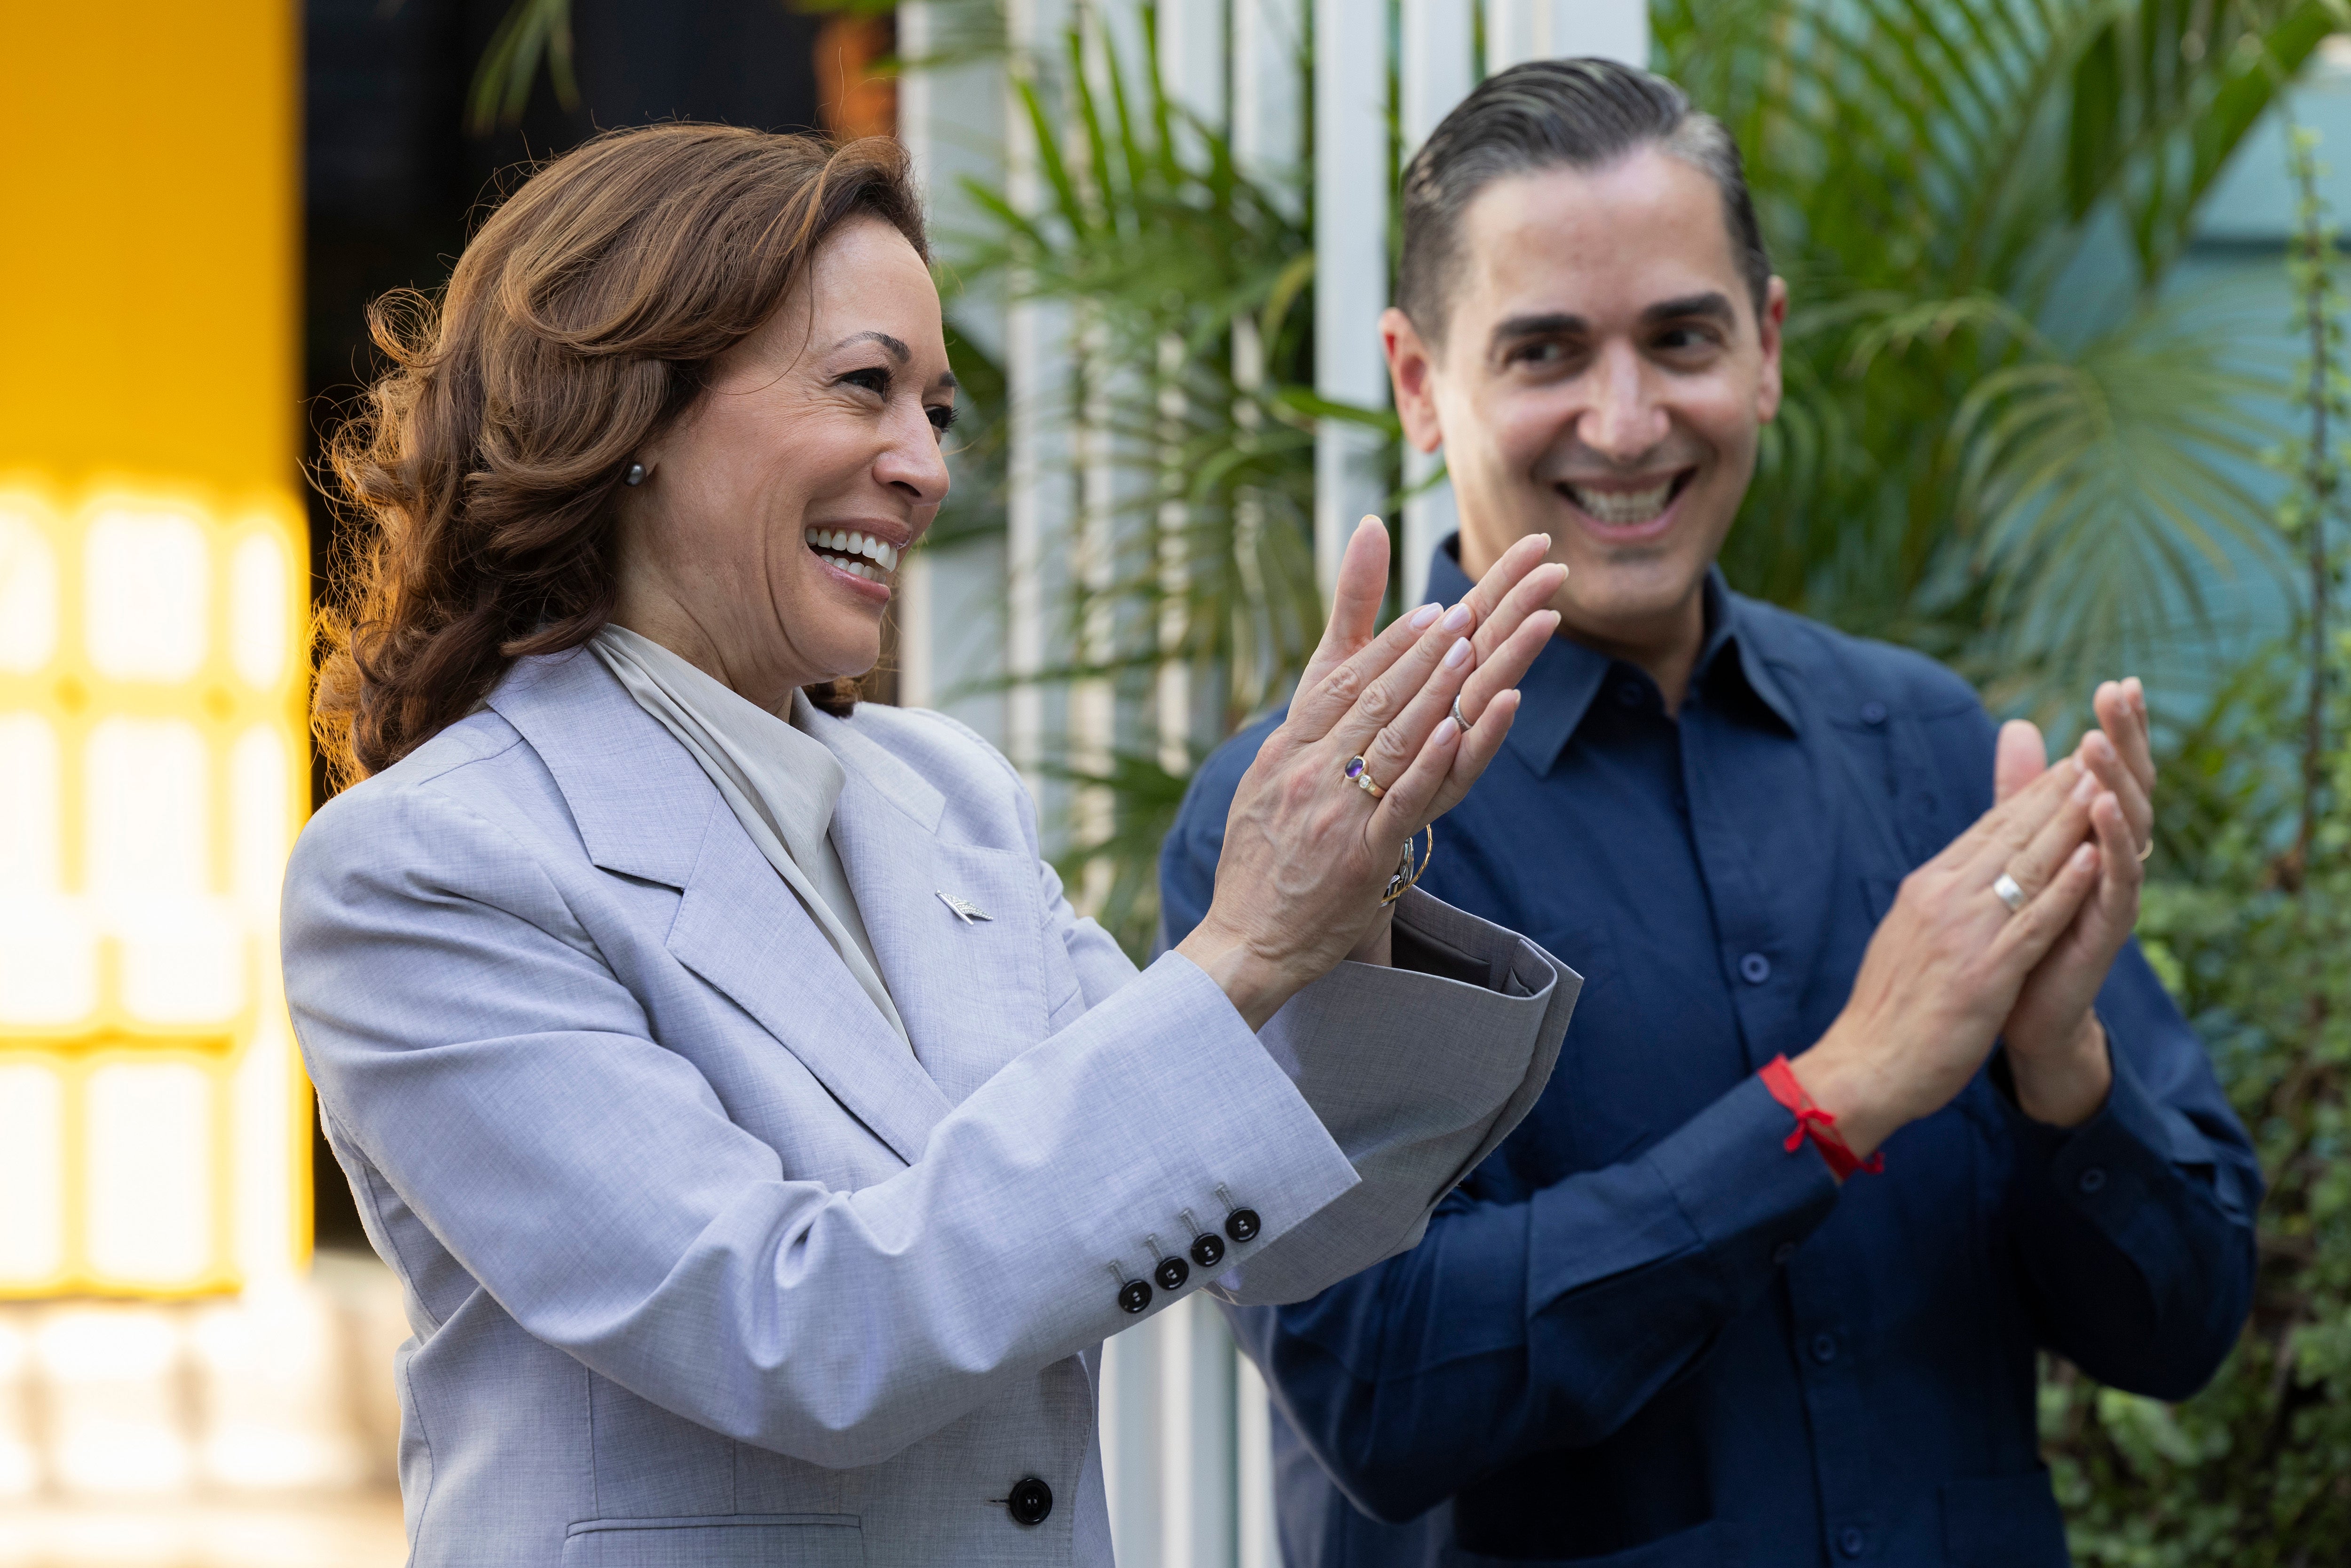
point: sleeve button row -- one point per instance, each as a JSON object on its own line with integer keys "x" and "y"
{"x": 1208, "y": 1251}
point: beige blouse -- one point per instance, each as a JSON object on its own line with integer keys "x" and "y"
{"x": 781, "y": 783}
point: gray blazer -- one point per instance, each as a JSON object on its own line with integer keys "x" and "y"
{"x": 704, "y": 1266}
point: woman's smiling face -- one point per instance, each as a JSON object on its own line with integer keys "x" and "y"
{"x": 764, "y": 542}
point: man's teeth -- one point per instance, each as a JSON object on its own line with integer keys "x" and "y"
{"x": 1620, "y": 507}
{"x": 866, "y": 556}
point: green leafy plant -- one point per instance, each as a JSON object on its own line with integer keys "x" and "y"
{"x": 531, "y": 31}
{"x": 2249, "y": 924}
{"x": 1188, "y": 285}
{"x": 2001, "y": 443}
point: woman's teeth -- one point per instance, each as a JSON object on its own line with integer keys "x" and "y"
{"x": 862, "y": 554}
{"x": 1619, "y": 508}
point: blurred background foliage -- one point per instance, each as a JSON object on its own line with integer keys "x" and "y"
{"x": 2006, "y": 441}
{"x": 2249, "y": 922}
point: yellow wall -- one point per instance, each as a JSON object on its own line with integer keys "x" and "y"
{"x": 149, "y": 292}
{"x": 153, "y": 571}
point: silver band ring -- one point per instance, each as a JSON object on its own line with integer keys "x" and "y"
{"x": 1457, "y": 714}
{"x": 2007, "y": 890}
{"x": 1360, "y": 776}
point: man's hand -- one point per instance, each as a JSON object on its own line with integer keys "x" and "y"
{"x": 2056, "y": 1050}
{"x": 1945, "y": 967}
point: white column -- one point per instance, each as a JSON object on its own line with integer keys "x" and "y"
{"x": 1114, "y": 481}
{"x": 1260, "y": 1541}
{"x": 1439, "y": 64}
{"x": 951, "y": 603}
{"x": 1352, "y": 177}
{"x": 1269, "y": 88}
{"x": 1198, "y": 1473}
{"x": 1520, "y": 30}
{"x": 1040, "y": 518}
{"x": 1193, "y": 58}
{"x": 1132, "y": 1434}
{"x": 1438, "y": 68}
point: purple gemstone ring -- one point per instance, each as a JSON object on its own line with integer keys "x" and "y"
{"x": 1362, "y": 778}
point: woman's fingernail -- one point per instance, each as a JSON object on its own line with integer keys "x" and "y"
{"x": 1422, "y": 617}
{"x": 2084, "y": 855}
{"x": 1458, "y": 618}
{"x": 1456, "y": 653}
{"x": 2088, "y": 786}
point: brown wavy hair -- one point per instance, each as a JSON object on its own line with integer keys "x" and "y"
{"x": 478, "y": 473}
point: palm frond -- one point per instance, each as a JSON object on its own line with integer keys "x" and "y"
{"x": 2100, "y": 494}
{"x": 531, "y": 31}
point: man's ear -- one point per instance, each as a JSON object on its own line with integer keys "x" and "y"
{"x": 1769, "y": 327}
{"x": 1412, "y": 372}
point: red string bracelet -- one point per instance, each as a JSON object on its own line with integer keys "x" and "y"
{"x": 1815, "y": 1123}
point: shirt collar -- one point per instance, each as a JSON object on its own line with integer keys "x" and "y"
{"x": 1566, "y": 675}
{"x": 790, "y": 778}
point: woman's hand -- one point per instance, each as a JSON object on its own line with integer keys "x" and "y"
{"x": 1307, "y": 853}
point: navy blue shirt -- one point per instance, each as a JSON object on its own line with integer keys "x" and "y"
{"x": 1646, "y": 1333}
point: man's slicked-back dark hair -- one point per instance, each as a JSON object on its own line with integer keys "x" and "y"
{"x": 1547, "y": 114}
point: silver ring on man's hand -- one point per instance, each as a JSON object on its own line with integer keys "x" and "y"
{"x": 1360, "y": 776}
{"x": 2006, "y": 890}
{"x": 1457, "y": 714}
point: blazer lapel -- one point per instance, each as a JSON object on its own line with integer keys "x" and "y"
{"x": 741, "y": 928}
{"x": 645, "y": 809}
{"x": 972, "y": 995}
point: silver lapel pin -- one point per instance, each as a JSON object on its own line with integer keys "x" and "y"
{"x": 965, "y": 909}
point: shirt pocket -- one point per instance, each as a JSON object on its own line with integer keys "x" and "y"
{"x": 718, "y": 1541}
{"x": 1609, "y": 1070}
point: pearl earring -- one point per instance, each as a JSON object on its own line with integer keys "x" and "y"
{"x": 635, "y": 476}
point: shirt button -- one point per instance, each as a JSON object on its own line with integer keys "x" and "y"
{"x": 1133, "y": 1296}
{"x": 1031, "y": 1501}
{"x": 1783, "y": 1252}
{"x": 1242, "y": 1225}
{"x": 1850, "y": 1541}
{"x": 1755, "y": 968}
{"x": 1207, "y": 1249}
{"x": 1628, "y": 693}
{"x": 1171, "y": 1274}
{"x": 1824, "y": 1348}
{"x": 1873, "y": 713}
{"x": 2092, "y": 1180}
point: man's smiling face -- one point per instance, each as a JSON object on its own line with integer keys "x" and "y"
{"x": 1602, "y": 377}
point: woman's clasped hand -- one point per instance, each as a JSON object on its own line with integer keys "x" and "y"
{"x": 1307, "y": 852}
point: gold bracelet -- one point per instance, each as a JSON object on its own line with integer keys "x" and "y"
{"x": 1406, "y": 874}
